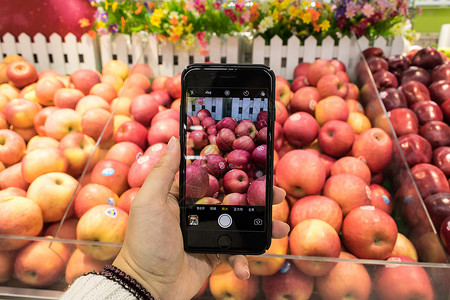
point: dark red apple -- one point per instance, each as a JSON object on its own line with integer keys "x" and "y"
{"x": 393, "y": 98}
{"x": 239, "y": 159}
{"x": 197, "y": 181}
{"x": 227, "y": 122}
{"x": 441, "y": 72}
{"x": 441, "y": 159}
{"x": 215, "y": 164}
{"x": 373, "y": 51}
{"x": 385, "y": 79}
{"x": 427, "y": 111}
{"x": 417, "y": 74}
{"x": 438, "y": 206}
{"x": 444, "y": 233}
{"x": 259, "y": 156}
{"x": 398, "y": 64}
{"x": 416, "y": 149}
{"x": 429, "y": 179}
{"x": 203, "y": 113}
{"x": 437, "y": 133}
{"x": 415, "y": 91}
{"x": 404, "y": 121}
{"x": 427, "y": 58}
{"x": 261, "y": 137}
{"x": 445, "y": 107}
{"x": 377, "y": 63}
{"x": 440, "y": 91}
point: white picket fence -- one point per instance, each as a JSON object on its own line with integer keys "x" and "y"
{"x": 66, "y": 55}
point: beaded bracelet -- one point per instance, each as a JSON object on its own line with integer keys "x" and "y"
{"x": 130, "y": 284}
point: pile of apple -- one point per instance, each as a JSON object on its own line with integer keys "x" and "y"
{"x": 415, "y": 90}
{"x": 50, "y": 125}
{"x": 230, "y": 152}
{"x": 327, "y": 158}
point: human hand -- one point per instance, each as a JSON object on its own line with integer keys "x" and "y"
{"x": 153, "y": 251}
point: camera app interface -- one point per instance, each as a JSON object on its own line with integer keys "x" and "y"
{"x": 226, "y": 138}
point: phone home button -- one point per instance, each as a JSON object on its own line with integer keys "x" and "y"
{"x": 225, "y": 220}
{"x": 224, "y": 241}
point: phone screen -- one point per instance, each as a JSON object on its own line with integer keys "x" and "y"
{"x": 227, "y": 176}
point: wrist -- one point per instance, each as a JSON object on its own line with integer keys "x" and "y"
{"x": 154, "y": 288}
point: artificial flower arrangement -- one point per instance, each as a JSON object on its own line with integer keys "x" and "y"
{"x": 191, "y": 22}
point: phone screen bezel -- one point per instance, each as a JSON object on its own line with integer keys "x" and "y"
{"x": 236, "y": 76}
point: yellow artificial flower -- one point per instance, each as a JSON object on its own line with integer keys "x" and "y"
{"x": 284, "y": 4}
{"x": 306, "y": 18}
{"x": 189, "y": 28}
{"x": 306, "y": 3}
{"x": 275, "y": 15}
{"x": 114, "y": 6}
{"x": 84, "y": 22}
{"x": 325, "y": 25}
{"x": 178, "y": 30}
{"x": 155, "y": 19}
{"x": 292, "y": 11}
{"x": 106, "y": 4}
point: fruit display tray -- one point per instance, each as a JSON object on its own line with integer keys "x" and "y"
{"x": 372, "y": 278}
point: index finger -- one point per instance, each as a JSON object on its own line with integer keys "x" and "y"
{"x": 278, "y": 195}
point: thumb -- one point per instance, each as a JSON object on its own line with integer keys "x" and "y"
{"x": 160, "y": 179}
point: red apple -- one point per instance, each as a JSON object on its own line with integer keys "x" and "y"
{"x": 67, "y": 97}
{"x": 138, "y": 79}
{"x": 98, "y": 123}
{"x": 393, "y": 98}
{"x": 398, "y": 64}
{"x": 301, "y": 69}
{"x": 314, "y": 237}
{"x": 381, "y": 198}
{"x": 21, "y": 73}
{"x": 41, "y": 117}
{"x": 244, "y": 143}
{"x": 300, "y": 129}
{"x": 40, "y": 264}
{"x": 61, "y": 122}
{"x": 404, "y": 247}
{"x": 84, "y": 79}
{"x": 12, "y": 147}
{"x": 403, "y": 275}
{"x": 90, "y": 102}
{"x": 266, "y": 266}
{"x": 444, "y": 233}
{"x": 141, "y": 68}
{"x": 112, "y": 174}
{"x": 143, "y": 108}
{"x": 173, "y": 86}
{"x": 53, "y": 193}
{"x": 197, "y": 139}
{"x": 384, "y": 79}
{"x": 104, "y": 90}
{"x": 299, "y": 82}
{"x": 438, "y": 206}
{"x": 79, "y": 264}
{"x": 213, "y": 187}
{"x": 305, "y": 99}
{"x": 42, "y": 161}
{"x": 415, "y": 148}
{"x": 126, "y": 198}
{"x": 375, "y": 146}
{"x": 126, "y": 152}
{"x": 331, "y": 85}
{"x": 445, "y": 107}
{"x": 102, "y": 223}
{"x": 12, "y": 191}
{"x": 79, "y": 149}
{"x": 93, "y": 194}
{"x": 282, "y": 90}
{"x": 235, "y": 199}
{"x": 140, "y": 169}
{"x": 427, "y": 58}
{"x": 132, "y": 131}
{"x": 346, "y": 280}
{"x": 376, "y": 63}
{"x": 331, "y": 108}
{"x": 162, "y": 131}
{"x": 20, "y": 113}
{"x": 225, "y": 139}
{"x": 12, "y": 176}
{"x": 417, "y": 74}
{"x": 66, "y": 230}
{"x": 214, "y": 164}
{"x": 348, "y": 190}
{"x": 336, "y": 138}
{"x": 236, "y": 181}
{"x": 204, "y": 113}
{"x": 369, "y": 232}
{"x": 19, "y": 216}
{"x": 316, "y": 207}
{"x": 319, "y": 68}
{"x": 300, "y": 173}
{"x": 159, "y": 83}
{"x": 46, "y": 89}
{"x": 223, "y": 284}
{"x": 441, "y": 72}
{"x": 352, "y": 165}
{"x": 281, "y": 113}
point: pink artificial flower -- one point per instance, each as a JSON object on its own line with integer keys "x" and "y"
{"x": 245, "y": 17}
{"x": 216, "y": 5}
{"x": 367, "y": 10}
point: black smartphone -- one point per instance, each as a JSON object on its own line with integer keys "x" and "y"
{"x": 227, "y": 119}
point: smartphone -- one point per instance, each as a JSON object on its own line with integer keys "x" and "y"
{"x": 227, "y": 117}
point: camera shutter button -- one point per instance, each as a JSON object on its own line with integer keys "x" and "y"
{"x": 225, "y": 220}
